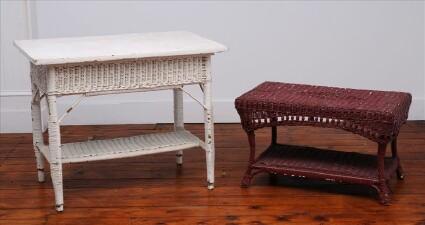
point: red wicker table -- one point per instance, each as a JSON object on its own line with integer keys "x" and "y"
{"x": 375, "y": 115}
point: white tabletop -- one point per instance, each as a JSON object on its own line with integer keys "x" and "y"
{"x": 116, "y": 47}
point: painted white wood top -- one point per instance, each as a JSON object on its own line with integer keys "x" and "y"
{"x": 116, "y": 47}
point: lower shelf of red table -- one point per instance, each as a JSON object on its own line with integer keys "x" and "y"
{"x": 332, "y": 165}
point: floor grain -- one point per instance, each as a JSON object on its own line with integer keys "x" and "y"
{"x": 152, "y": 190}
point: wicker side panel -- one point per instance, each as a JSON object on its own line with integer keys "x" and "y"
{"x": 376, "y": 115}
{"x": 373, "y": 130}
{"x": 130, "y": 74}
{"x": 39, "y": 77}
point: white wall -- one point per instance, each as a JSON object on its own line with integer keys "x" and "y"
{"x": 358, "y": 44}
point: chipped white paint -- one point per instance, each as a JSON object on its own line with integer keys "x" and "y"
{"x": 209, "y": 127}
{"x": 175, "y": 59}
{"x": 37, "y": 133}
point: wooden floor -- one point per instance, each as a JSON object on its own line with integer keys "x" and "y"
{"x": 152, "y": 190}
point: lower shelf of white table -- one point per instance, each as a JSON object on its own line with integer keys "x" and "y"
{"x": 126, "y": 146}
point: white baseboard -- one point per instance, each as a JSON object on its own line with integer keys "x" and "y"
{"x": 15, "y": 116}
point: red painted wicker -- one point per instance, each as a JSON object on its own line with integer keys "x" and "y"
{"x": 376, "y": 115}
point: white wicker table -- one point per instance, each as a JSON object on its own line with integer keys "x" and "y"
{"x": 89, "y": 66}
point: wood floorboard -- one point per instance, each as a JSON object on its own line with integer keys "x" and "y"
{"x": 152, "y": 190}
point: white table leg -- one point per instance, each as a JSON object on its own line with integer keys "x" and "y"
{"x": 178, "y": 119}
{"x": 209, "y": 134}
{"x": 55, "y": 152}
{"x": 37, "y": 134}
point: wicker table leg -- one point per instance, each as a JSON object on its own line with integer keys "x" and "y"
{"x": 274, "y": 135}
{"x": 209, "y": 130}
{"x": 400, "y": 173}
{"x": 55, "y": 152}
{"x": 382, "y": 186}
{"x": 246, "y": 180}
{"x": 178, "y": 119}
{"x": 37, "y": 133}
{"x": 273, "y": 176}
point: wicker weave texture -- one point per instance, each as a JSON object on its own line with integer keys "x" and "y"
{"x": 117, "y": 64}
{"x": 123, "y": 75}
{"x": 128, "y": 146}
{"x": 114, "y": 77}
{"x": 313, "y": 162}
{"x": 376, "y": 115}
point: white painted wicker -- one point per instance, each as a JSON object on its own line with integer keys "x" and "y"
{"x": 126, "y": 146}
{"x": 166, "y": 61}
{"x": 123, "y": 75}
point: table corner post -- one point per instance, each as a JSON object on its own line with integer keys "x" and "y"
{"x": 37, "y": 133}
{"x": 382, "y": 186}
{"x": 209, "y": 124}
{"x": 178, "y": 119}
{"x": 54, "y": 140}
